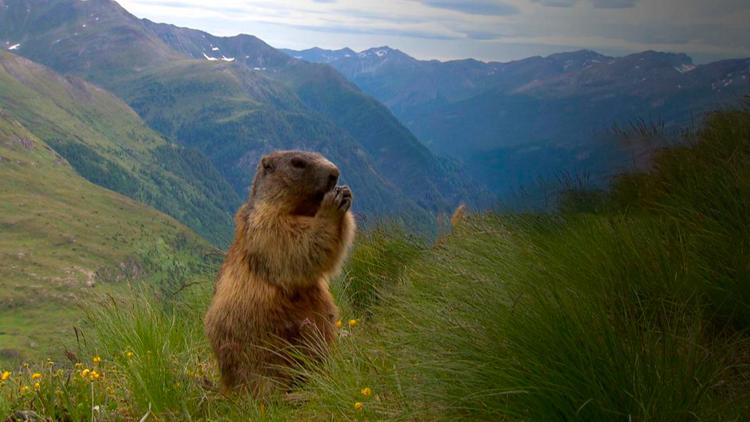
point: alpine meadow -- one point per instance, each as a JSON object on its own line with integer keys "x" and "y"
{"x": 407, "y": 210}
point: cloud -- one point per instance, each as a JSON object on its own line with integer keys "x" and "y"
{"x": 482, "y": 35}
{"x": 598, "y": 4}
{"x": 475, "y": 7}
{"x": 556, "y": 3}
{"x": 346, "y": 29}
{"x": 485, "y": 29}
{"x": 614, "y": 4}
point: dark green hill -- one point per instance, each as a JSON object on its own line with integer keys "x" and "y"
{"x": 108, "y": 144}
{"x": 223, "y": 110}
{"x": 393, "y": 150}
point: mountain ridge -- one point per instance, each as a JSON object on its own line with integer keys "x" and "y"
{"x": 514, "y": 122}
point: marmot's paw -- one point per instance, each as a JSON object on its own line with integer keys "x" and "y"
{"x": 337, "y": 202}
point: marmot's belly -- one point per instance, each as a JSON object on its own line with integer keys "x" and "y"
{"x": 286, "y": 318}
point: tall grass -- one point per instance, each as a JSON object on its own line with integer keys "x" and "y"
{"x": 633, "y": 309}
{"x": 157, "y": 362}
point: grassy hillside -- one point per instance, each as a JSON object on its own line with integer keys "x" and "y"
{"x": 627, "y": 305}
{"x": 108, "y": 144}
{"x": 65, "y": 242}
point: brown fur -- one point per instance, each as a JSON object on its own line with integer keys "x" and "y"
{"x": 272, "y": 291}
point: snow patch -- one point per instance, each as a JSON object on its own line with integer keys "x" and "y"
{"x": 214, "y": 48}
{"x": 685, "y": 68}
{"x": 14, "y": 47}
{"x": 209, "y": 58}
{"x": 381, "y": 53}
{"x": 227, "y": 59}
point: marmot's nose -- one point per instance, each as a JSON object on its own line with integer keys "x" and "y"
{"x": 333, "y": 177}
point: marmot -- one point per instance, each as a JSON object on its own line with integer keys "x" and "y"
{"x": 291, "y": 238}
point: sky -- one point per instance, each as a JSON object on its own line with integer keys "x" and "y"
{"x": 489, "y": 30}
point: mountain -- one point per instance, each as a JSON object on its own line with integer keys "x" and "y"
{"x": 64, "y": 239}
{"x": 235, "y": 98}
{"x": 108, "y": 144}
{"x": 513, "y": 122}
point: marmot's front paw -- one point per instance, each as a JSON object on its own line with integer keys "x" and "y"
{"x": 337, "y": 202}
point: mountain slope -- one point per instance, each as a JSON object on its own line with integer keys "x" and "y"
{"x": 108, "y": 144}
{"x": 64, "y": 240}
{"x": 393, "y": 150}
{"x": 513, "y": 122}
{"x": 237, "y": 98}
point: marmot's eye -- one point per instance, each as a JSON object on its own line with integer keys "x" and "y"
{"x": 298, "y": 163}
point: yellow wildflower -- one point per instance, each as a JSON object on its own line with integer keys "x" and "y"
{"x": 367, "y": 391}
{"x": 37, "y": 386}
{"x": 24, "y": 389}
{"x": 78, "y": 365}
{"x": 129, "y": 354}
{"x": 85, "y": 373}
{"x": 352, "y": 323}
{"x": 339, "y": 324}
{"x": 96, "y": 359}
{"x": 94, "y": 375}
{"x": 358, "y": 406}
{"x": 5, "y": 376}
{"x": 36, "y": 376}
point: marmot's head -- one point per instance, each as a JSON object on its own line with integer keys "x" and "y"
{"x": 296, "y": 181}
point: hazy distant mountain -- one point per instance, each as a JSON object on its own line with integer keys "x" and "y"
{"x": 511, "y": 122}
{"x": 235, "y": 99}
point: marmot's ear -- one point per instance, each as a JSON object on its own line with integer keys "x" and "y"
{"x": 267, "y": 164}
